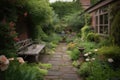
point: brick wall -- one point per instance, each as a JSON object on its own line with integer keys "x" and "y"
{"x": 85, "y": 3}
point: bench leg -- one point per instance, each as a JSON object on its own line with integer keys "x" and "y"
{"x": 44, "y": 50}
{"x": 37, "y": 58}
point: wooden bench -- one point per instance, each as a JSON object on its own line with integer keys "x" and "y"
{"x": 28, "y": 47}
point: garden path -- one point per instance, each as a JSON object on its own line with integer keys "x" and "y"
{"x": 62, "y": 68}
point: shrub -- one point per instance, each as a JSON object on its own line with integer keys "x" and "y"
{"x": 104, "y": 42}
{"x": 102, "y": 72}
{"x": 90, "y": 37}
{"x": 97, "y": 38}
{"x": 110, "y": 52}
{"x": 84, "y": 70}
{"x": 84, "y": 31}
{"x": 7, "y": 35}
{"x": 89, "y": 46}
{"x": 115, "y": 30}
{"x": 98, "y": 71}
{"x": 93, "y": 37}
{"x": 76, "y": 64}
{"x": 71, "y": 45}
{"x": 74, "y": 54}
{"x": 18, "y": 71}
{"x": 115, "y": 26}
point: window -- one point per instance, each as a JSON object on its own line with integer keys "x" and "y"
{"x": 101, "y": 17}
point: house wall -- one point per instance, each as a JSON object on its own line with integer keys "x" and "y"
{"x": 85, "y": 3}
{"x": 93, "y": 14}
{"x": 92, "y": 19}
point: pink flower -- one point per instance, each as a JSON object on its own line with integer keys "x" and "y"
{"x": 20, "y": 60}
{"x": 4, "y": 62}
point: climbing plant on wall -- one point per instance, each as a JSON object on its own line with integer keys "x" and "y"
{"x": 115, "y": 26}
{"x": 40, "y": 14}
{"x": 9, "y": 11}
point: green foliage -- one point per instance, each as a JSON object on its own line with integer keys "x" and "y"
{"x": 97, "y": 71}
{"x": 45, "y": 66}
{"x": 39, "y": 10}
{"x": 11, "y": 9}
{"x": 90, "y": 36}
{"x": 17, "y": 71}
{"x": 76, "y": 64}
{"x": 74, "y": 54}
{"x": 55, "y": 38}
{"x": 84, "y": 70}
{"x": 93, "y": 37}
{"x": 84, "y": 31}
{"x": 110, "y": 52}
{"x": 102, "y": 72}
{"x": 74, "y": 21}
{"x": 104, "y": 42}
{"x": 115, "y": 19}
{"x": 65, "y": 8}
{"x": 89, "y": 46}
{"x": 7, "y": 40}
{"x": 40, "y": 14}
{"x": 115, "y": 29}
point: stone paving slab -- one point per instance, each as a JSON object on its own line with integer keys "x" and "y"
{"x": 62, "y": 68}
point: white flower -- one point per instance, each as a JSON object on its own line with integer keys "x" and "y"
{"x": 95, "y": 50}
{"x": 86, "y": 54}
{"x": 20, "y": 60}
{"x": 11, "y": 59}
{"x": 93, "y": 59}
{"x": 87, "y": 59}
{"x": 89, "y": 53}
{"x": 110, "y": 60}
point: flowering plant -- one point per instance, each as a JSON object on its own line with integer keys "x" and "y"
{"x": 4, "y": 62}
{"x": 71, "y": 45}
{"x": 7, "y": 33}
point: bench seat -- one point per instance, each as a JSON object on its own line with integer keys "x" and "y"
{"x": 28, "y": 48}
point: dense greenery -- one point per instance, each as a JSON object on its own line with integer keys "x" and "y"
{"x": 17, "y": 71}
{"x": 7, "y": 36}
{"x": 115, "y": 18}
{"x": 68, "y": 12}
{"x": 40, "y": 11}
{"x": 65, "y": 8}
{"x": 95, "y": 70}
{"x": 36, "y": 15}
